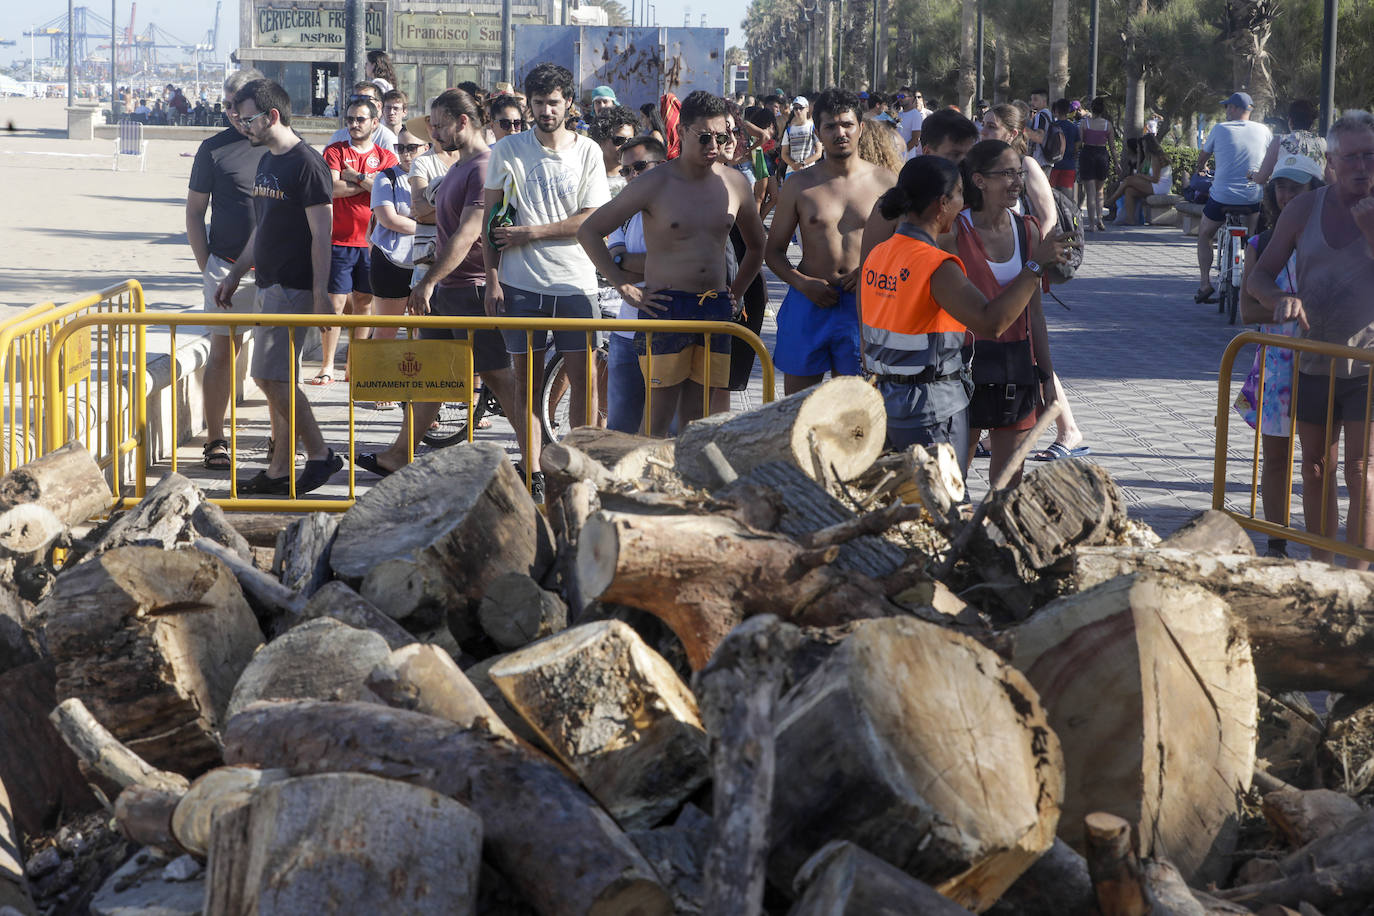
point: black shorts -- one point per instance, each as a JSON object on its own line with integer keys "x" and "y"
{"x": 1349, "y": 399}
{"x": 1092, "y": 163}
{"x": 1216, "y": 212}
{"x": 388, "y": 280}
{"x": 488, "y": 349}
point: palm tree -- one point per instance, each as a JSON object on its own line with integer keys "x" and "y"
{"x": 968, "y": 39}
{"x": 1246, "y": 28}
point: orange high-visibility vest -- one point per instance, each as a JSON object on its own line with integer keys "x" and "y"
{"x": 904, "y": 329}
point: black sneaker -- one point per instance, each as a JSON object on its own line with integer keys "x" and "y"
{"x": 262, "y": 485}
{"x": 537, "y": 487}
{"x": 317, "y": 473}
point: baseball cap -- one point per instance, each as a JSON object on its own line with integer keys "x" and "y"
{"x": 800, "y": 102}
{"x": 1239, "y": 100}
{"x": 779, "y": 93}
{"x": 604, "y": 92}
{"x": 1297, "y": 167}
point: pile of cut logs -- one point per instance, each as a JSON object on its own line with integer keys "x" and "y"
{"x": 761, "y": 668}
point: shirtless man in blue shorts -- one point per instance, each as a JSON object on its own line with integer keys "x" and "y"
{"x": 829, "y": 203}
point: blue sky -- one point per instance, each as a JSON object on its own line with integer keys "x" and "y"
{"x": 191, "y": 20}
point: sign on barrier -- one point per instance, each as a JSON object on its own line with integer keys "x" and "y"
{"x": 410, "y": 370}
{"x": 76, "y": 358}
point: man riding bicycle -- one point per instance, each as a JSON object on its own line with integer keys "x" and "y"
{"x": 1239, "y": 145}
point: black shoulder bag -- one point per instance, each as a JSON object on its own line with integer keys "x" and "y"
{"x": 1006, "y": 384}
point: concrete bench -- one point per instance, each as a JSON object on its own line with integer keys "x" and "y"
{"x": 1159, "y": 209}
{"x": 1190, "y": 216}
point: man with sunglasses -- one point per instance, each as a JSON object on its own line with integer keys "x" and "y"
{"x": 818, "y": 321}
{"x": 611, "y": 128}
{"x": 913, "y": 114}
{"x": 383, "y": 136}
{"x": 689, "y": 206}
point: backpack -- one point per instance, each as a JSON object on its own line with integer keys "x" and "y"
{"x": 1065, "y": 218}
{"x": 1055, "y": 146}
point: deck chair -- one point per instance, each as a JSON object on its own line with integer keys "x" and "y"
{"x": 130, "y": 142}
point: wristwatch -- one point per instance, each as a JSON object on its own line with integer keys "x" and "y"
{"x": 619, "y": 260}
{"x": 1035, "y": 268}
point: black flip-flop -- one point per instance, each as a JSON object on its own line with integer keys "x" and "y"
{"x": 1201, "y": 297}
{"x": 318, "y": 472}
{"x": 262, "y": 485}
{"x": 368, "y": 462}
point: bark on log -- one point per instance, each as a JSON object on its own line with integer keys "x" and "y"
{"x": 346, "y": 841}
{"x": 103, "y": 752}
{"x": 220, "y": 790}
{"x": 426, "y": 679}
{"x": 615, "y": 713}
{"x": 1113, "y": 866}
{"x": 515, "y": 611}
{"x": 1354, "y": 842}
{"x": 302, "y": 557}
{"x": 1057, "y": 884}
{"x": 1340, "y": 885}
{"x": 738, "y": 692}
{"x": 277, "y": 607}
{"x": 14, "y": 887}
{"x": 703, "y": 575}
{"x": 625, "y": 456}
{"x": 563, "y": 464}
{"x": 1211, "y": 531}
{"x": 27, "y": 531}
{"x": 555, "y": 845}
{"x": 66, "y": 481}
{"x": 843, "y": 880}
{"x": 36, "y": 765}
{"x": 480, "y": 678}
{"x": 1311, "y": 625}
{"x": 846, "y": 415}
{"x": 1149, "y": 685}
{"x": 144, "y": 815}
{"x": 260, "y": 529}
{"x": 429, "y": 539}
{"x": 153, "y": 642}
{"x": 337, "y": 600}
{"x": 570, "y": 512}
{"x": 1303, "y": 816}
{"x": 321, "y": 659}
{"x": 173, "y": 514}
{"x": 18, "y": 643}
{"x": 923, "y": 747}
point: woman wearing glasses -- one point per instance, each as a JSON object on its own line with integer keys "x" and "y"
{"x": 917, "y": 302}
{"x": 506, "y": 118}
{"x": 994, "y": 243}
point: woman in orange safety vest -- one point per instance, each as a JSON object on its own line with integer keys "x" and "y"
{"x": 916, "y": 304}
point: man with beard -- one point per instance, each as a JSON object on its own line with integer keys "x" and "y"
{"x": 818, "y": 321}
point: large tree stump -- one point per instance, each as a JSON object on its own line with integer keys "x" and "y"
{"x": 1311, "y": 625}
{"x": 322, "y": 659}
{"x": 429, "y": 539}
{"x": 843, "y": 880}
{"x": 36, "y": 765}
{"x": 427, "y": 679}
{"x": 344, "y": 841}
{"x": 923, "y": 747}
{"x": 550, "y": 840}
{"x": 302, "y": 557}
{"x": 615, "y": 713}
{"x": 703, "y": 575}
{"x": 153, "y": 642}
{"x": 844, "y": 415}
{"x": 66, "y": 481}
{"x": 1149, "y": 685}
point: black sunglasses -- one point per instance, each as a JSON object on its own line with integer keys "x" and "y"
{"x": 637, "y": 167}
{"x": 409, "y": 147}
{"x": 511, "y": 124}
{"x": 705, "y": 138}
{"x": 363, "y": 120}
{"x": 618, "y": 142}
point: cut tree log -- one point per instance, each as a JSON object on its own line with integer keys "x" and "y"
{"x": 842, "y": 879}
{"x": 551, "y": 841}
{"x": 1211, "y": 531}
{"x": 66, "y": 481}
{"x": 479, "y": 677}
{"x": 144, "y": 815}
{"x": 277, "y": 607}
{"x": 18, "y": 644}
{"x": 153, "y": 642}
{"x": 703, "y": 575}
{"x": 220, "y": 790}
{"x": 568, "y": 514}
{"x": 367, "y": 845}
{"x": 302, "y": 558}
{"x": 923, "y": 747}
{"x": 515, "y": 611}
{"x": 14, "y": 887}
{"x": 739, "y": 692}
{"x": 1149, "y": 685}
{"x": 625, "y": 456}
{"x": 429, "y": 539}
{"x": 677, "y": 852}
{"x": 36, "y": 765}
{"x": 260, "y": 529}
{"x": 615, "y": 713}
{"x": 427, "y": 679}
{"x": 1057, "y": 884}
{"x": 1302, "y": 816}
{"x": 1290, "y": 733}
{"x": 104, "y": 753}
{"x": 337, "y": 600}
{"x": 1311, "y": 625}
{"x": 322, "y": 659}
{"x": 1337, "y": 886}
{"x": 27, "y": 531}
{"x": 845, "y": 414}
{"x": 1113, "y": 866}
{"x": 173, "y": 514}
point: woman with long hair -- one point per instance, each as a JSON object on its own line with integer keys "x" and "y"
{"x": 1099, "y": 149}
{"x": 1155, "y": 176}
{"x": 916, "y": 303}
{"x": 380, "y": 70}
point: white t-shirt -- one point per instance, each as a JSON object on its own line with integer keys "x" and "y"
{"x": 911, "y": 122}
{"x": 382, "y": 136}
{"x": 631, "y": 235}
{"x": 548, "y": 186}
{"x": 1238, "y": 147}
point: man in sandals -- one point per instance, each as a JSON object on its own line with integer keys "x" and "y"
{"x": 290, "y": 247}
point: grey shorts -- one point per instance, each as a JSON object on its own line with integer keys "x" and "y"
{"x": 272, "y": 345}
{"x": 488, "y": 349}
{"x": 245, "y": 300}
{"x": 522, "y": 303}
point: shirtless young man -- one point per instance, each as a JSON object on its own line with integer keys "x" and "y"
{"x": 818, "y": 321}
{"x": 689, "y": 205}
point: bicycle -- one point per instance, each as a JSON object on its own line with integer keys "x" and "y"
{"x": 1230, "y": 261}
{"x": 555, "y": 395}
{"x": 451, "y": 426}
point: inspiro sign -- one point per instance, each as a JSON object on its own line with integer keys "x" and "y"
{"x": 320, "y": 25}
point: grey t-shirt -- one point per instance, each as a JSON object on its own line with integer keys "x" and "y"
{"x": 1238, "y": 147}
{"x": 224, "y": 168}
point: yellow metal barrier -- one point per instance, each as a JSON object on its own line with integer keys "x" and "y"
{"x": 117, "y": 325}
{"x": 26, "y": 342}
{"x": 1355, "y": 515}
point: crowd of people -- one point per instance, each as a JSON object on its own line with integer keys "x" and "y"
{"x": 924, "y": 239}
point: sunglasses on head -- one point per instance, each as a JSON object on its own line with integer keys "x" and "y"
{"x": 705, "y": 138}
{"x": 637, "y": 167}
{"x": 511, "y": 123}
{"x": 409, "y": 147}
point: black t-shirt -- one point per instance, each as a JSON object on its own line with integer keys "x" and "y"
{"x": 285, "y": 185}
{"x": 225, "y": 168}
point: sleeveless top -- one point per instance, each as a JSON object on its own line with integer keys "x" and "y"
{"x": 1094, "y": 137}
{"x": 1334, "y": 285}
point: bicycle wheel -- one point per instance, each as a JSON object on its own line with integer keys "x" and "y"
{"x": 553, "y": 401}
{"x": 451, "y": 426}
{"x": 1223, "y": 270}
{"x": 1230, "y": 299}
